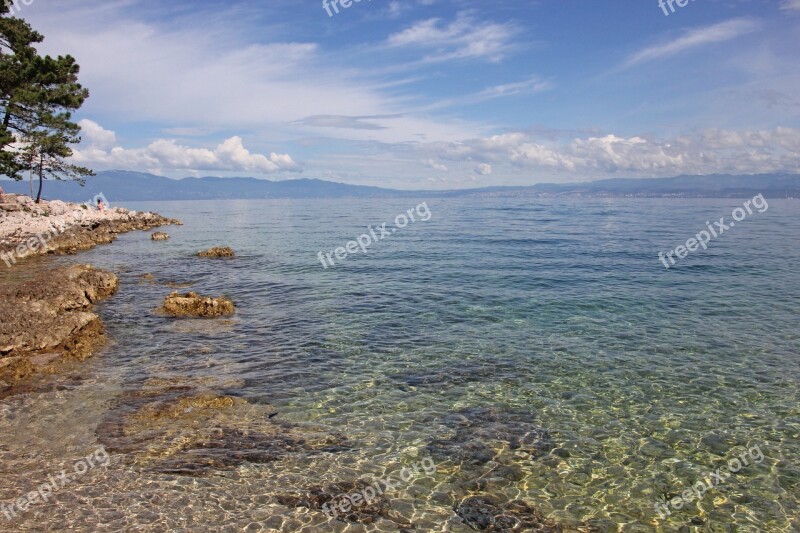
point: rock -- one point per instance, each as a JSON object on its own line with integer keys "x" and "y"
{"x": 159, "y": 236}
{"x": 330, "y": 498}
{"x": 486, "y": 513}
{"x": 217, "y": 252}
{"x": 67, "y": 234}
{"x": 57, "y": 207}
{"x": 50, "y": 318}
{"x": 181, "y": 430}
{"x": 477, "y": 436}
{"x": 193, "y": 305}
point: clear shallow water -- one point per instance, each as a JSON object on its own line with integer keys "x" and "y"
{"x": 645, "y": 379}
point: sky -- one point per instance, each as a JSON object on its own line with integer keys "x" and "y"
{"x": 433, "y": 94}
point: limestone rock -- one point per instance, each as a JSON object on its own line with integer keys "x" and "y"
{"x": 193, "y": 305}
{"x": 217, "y": 252}
{"x": 50, "y": 314}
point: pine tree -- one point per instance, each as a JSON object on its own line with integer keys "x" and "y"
{"x": 46, "y": 150}
{"x": 37, "y": 96}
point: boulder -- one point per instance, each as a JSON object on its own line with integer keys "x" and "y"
{"x": 159, "y": 236}
{"x": 193, "y": 305}
{"x": 217, "y": 252}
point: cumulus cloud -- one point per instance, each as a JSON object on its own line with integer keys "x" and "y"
{"x": 484, "y": 169}
{"x": 98, "y": 151}
{"x": 94, "y": 134}
{"x": 706, "y": 152}
{"x": 436, "y": 166}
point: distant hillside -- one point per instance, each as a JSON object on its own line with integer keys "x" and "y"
{"x": 136, "y": 186}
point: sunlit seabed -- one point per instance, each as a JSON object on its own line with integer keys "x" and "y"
{"x": 646, "y": 379}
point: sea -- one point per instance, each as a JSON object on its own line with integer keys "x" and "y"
{"x": 526, "y": 349}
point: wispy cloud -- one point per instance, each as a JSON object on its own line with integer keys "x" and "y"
{"x": 790, "y": 5}
{"x": 717, "y": 33}
{"x": 464, "y": 38}
{"x": 344, "y": 122}
{"x": 529, "y": 86}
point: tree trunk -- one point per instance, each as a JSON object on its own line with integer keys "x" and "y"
{"x": 41, "y": 180}
{"x": 6, "y": 123}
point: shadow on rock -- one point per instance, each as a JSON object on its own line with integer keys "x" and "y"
{"x": 477, "y": 436}
{"x": 185, "y": 431}
{"x": 486, "y": 513}
{"x": 322, "y": 498}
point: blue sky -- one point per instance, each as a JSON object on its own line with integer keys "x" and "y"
{"x": 433, "y": 93}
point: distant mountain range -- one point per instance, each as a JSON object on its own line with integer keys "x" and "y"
{"x": 118, "y": 185}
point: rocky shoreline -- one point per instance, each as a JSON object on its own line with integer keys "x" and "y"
{"x": 28, "y": 229}
{"x": 48, "y": 320}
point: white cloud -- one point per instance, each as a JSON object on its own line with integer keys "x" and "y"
{"x": 484, "y": 169}
{"x": 94, "y": 134}
{"x": 790, "y": 5}
{"x": 716, "y": 33}
{"x": 436, "y": 166}
{"x": 214, "y": 78}
{"x": 709, "y": 151}
{"x": 529, "y": 86}
{"x": 464, "y": 38}
{"x": 343, "y": 122}
{"x": 166, "y": 155}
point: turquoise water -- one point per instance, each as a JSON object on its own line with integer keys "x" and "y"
{"x": 553, "y": 315}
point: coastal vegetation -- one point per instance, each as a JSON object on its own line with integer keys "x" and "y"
{"x": 38, "y": 94}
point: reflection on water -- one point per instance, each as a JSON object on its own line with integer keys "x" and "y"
{"x": 536, "y": 351}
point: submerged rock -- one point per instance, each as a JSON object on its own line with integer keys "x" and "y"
{"x": 187, "y": 431}
{"x": 479, "y": 435}
{"x": 193, "y": 305}
{"x": 159, "y": 236}
{"x": 486, "y": 513}
{"x": 328, "y": 499}
{"x": 49, "y": 318}
{"x": 217, "y": 252}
